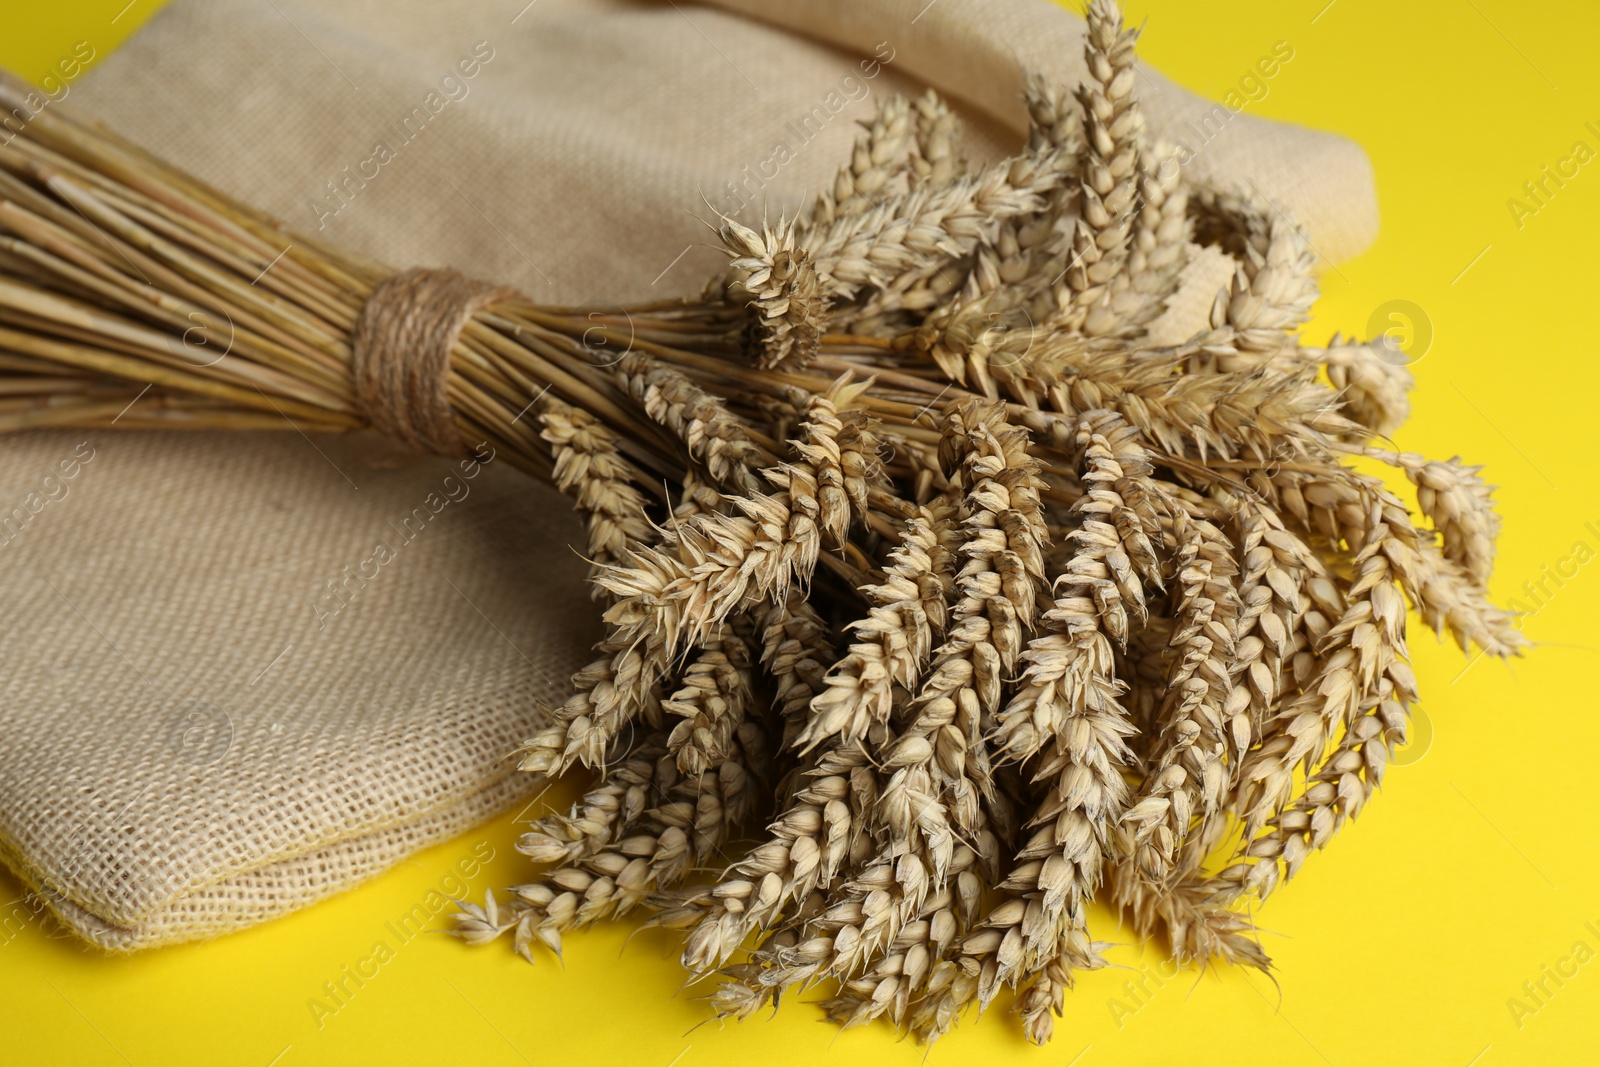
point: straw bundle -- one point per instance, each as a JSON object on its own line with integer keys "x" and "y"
{"x": 911, "y": 551}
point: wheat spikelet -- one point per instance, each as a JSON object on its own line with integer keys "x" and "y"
{"x": 898, "y": 243}
{"x": 1365, "y": 645}
{"x": 713, "y": 435}
{"x": 862, "y": 920}
{"x": 796, "y": 649}
{"x": 891, "y": 645}
{"x": 902, "y": 972}
{"x": 620, "y": 853}
{"x": 805, "y": 849}
{"x": 1188, "y": 776}
{"x": 1372, "y": 380}
{"x": 938, "y": 136}
{"x": 725, "y": 561}
{"x": 1046, "y": 993}
{"x": 1460, "y": 505}
{"x": 938, "y": 762}
{"x": 616, "y": 801}
{"x": 607, "y": 695}
{"x": 698, "y": 497}
{"x": 1337, "y": 790}
{"x": 1193, "y": 917}
{"x": 1061, "y": 865}
{"x": 936, "y": 163}
{"x": 776, "y": 280}
{"x": 1273, "y": 287}
{"x": 595, "y": 886}
{"x": 882, "y": 159}
{"x": 589, "y": 468}
{"x": 1276, "y": 568}
{"x": 1109, "y": 183}
{"x": 711, "y": 703}
{"x": 1158, "y": 247}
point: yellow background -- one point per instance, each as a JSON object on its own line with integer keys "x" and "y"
{"x": 1475, "y": 868}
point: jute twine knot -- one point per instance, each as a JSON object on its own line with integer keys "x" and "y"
{"x": 401, "y": 357}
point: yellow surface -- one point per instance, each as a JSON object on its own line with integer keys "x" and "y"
{"x": 1408, "y": 942}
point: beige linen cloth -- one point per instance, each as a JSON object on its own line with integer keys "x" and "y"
{"x": 219, "y": 700}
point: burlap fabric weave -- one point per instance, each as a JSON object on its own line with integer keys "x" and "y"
{"x": 239, "y": 673}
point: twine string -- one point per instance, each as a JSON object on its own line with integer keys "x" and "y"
{"x": 401, "y": 353}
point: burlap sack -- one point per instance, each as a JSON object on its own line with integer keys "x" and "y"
{"x": 243, "y": 672}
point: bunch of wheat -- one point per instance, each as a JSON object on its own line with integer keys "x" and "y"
{"x": 911, "y": 549}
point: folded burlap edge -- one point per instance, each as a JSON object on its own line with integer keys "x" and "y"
{"x": 212, "y": 910}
